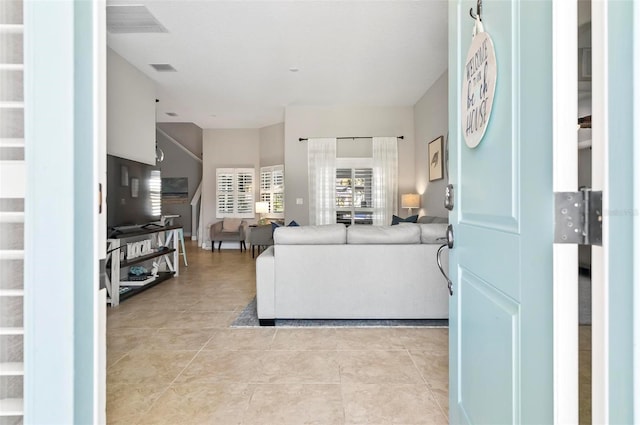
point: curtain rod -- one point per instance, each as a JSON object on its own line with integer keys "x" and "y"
{"x": 341, "y": 138}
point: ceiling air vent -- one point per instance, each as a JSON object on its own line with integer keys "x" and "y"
{"x": 132, "y": 19}
{"x": 171, "y": 114}
{"x": 162, "y": 67}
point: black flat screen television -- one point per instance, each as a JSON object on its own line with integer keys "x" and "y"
{"x": 133, "y": 194}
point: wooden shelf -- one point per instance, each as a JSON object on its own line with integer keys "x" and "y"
{"x": 11, "y": 217}
{"x": 118, "y": 288}
{"x": 127, "y": 263}
{"x": 12, "y": 369}
{"x": 11, "y": 331}
{"x": 11, "y": 407}
{"x": 162, "y": 276}
{"x": 11, "y": 254}
{"x": 11, "y": 142}
{"x": 11, "y": 292}
{"x": 118, "y": 234}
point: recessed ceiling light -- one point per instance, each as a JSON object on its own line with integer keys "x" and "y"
{"x": 294, "y": 69}
{"x": 171, "y": 114}
{"x": 163, "y": 67}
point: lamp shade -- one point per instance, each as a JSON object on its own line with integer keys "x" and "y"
{"x": 262, "y": 207}
{"x": 410, "y": 200}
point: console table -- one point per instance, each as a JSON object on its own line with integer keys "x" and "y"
{"x": 162, "y": 243}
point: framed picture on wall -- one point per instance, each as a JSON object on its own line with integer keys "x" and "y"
{"x": 435, "y": 159}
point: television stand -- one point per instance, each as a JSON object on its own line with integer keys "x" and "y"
{"x": 163, "y": 244}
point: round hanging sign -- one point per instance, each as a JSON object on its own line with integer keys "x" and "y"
{"x": 478, "y": 87}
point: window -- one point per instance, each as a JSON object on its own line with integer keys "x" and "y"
{"x": 155, "y": 190}
{"x": 272, "y": 189}
{"x": 354, "y": 195}
{"x": 234, "y": 192}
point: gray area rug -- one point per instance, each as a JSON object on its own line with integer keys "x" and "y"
{"x": 249, "y": 318}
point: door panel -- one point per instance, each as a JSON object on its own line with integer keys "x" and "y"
{"x": 489, "y": 333}
{"x": 501, "y": 351}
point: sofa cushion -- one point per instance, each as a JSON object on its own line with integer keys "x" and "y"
{"x": 397, "y": 220}
{"x": 432, "y": 219}
{"x": 231, "y": 224}
{"x": 429, "y": 233}
{"x": 328, "y": 234}
{"x": 383, "y": 235}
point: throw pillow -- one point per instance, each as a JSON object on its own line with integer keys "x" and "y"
{"x": 397, "y": 220}
{"x": 275, "y": 225}
{"x": 231, "y": 224}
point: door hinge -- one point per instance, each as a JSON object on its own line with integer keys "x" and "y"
{"x": 578, "y": 217}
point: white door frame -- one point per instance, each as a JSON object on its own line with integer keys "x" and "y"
{"x": 636, "y": 205}
{"x": 565, "y": 179}
{"x": 599, "y": 288}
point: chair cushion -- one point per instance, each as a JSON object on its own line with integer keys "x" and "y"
{"x": 231, "y": 224}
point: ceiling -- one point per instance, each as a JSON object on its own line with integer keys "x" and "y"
{"x": 233, "y": 58}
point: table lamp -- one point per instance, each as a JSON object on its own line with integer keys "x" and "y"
{"x": 262, "y": 208}
{"x": 410, "y": 201}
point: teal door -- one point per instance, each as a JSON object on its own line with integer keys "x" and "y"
{"x": 501, "y": 324}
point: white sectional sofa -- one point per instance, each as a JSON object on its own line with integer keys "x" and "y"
{"x": 359, "y": 272}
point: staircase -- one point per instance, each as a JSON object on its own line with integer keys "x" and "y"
{"x": 12, "y": 192}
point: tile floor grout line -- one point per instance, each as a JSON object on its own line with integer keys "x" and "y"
{"x": 426, "y": 382}
{"x": 177, "y": 376}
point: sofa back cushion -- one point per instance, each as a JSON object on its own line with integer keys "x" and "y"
{"x": 328, "y": 234}
{"x": 383, "y": 235}
{"x": 429, "y": 233}
{"x": 431, "y": 219}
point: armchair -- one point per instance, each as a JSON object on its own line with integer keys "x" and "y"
{"x": 260, "y": 236}
{"x": 229, "y": 229}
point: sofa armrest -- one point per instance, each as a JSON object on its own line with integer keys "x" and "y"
{"x": 266, "y": 284}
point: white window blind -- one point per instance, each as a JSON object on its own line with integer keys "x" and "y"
{"x": 272, "y": 189}
{"x": 354, "y": 195}
{"x": 234, "y": 192}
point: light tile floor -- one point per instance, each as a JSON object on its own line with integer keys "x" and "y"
{"x": 172, "y": 358}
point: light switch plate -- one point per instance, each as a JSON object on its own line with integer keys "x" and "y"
{"x": 299, "y": 201}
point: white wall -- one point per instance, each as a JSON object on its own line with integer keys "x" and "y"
{"x": 178, "y": 163}
{"x": 227, "y": 148}
{"x": 131, "y": 111}
{"x": 431, "y": 120}
{"x": 188, "y": 134}
{"x": 312, "y": 122}
{"x": 272, "y": 145}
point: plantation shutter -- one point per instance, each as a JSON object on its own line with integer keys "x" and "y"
{"x": 272, "y": 189}
{"x": 244, "y": 206}
{"x": 354, "y": 195}
{"x": 234, "y": 192}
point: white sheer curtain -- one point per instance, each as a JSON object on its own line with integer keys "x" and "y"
{"x": 385, "y": 179}
{"x": 322, "y": 180}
